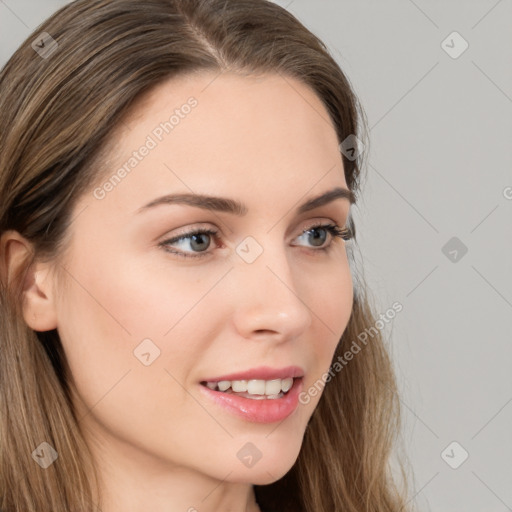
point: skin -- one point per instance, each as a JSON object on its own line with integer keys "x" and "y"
{"x": 158, "y": 443}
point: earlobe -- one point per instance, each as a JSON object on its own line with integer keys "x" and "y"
{"x": 38, "y": 301}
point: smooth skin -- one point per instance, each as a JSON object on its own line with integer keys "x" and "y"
{"x": 158, "y": 442}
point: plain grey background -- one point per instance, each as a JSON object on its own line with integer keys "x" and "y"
{"x": 439, "y": 171}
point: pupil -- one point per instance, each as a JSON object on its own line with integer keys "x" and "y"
{"x": 316, "y": 230}
{"x": 194, "y": 239}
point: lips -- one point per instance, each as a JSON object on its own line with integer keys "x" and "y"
{"x": 252, "y": 401}
{"x": 263, "y": 409}
{"x": 260, "y": 373}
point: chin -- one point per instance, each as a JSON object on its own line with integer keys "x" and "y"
{"x": 263, "y": 476}
{"x": 266, "y": 478}
{"x": 266, "y": 470}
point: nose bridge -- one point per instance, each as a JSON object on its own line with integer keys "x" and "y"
{"x": 268, "y": 296}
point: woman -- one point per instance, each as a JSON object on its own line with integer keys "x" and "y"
{"x": 178, "y": 304}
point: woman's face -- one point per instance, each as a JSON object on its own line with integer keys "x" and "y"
{"x": 143, "y": 327}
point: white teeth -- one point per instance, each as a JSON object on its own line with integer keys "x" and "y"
{"x": 239, "y": 386}
{"x": 286, "y": 384}
{"x": 256, "y": 387}
{"x": 273, "y": 387}
{"x": 223, "y": 385}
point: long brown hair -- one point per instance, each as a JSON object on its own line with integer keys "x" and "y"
{"x": 57, "y": 111}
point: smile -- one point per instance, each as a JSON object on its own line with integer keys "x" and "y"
{"x": 253, "y": 405}
{"x": 255, "y": 388}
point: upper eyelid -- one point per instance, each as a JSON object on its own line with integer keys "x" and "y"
{"x": 307, "y": 224}
{"x": 217, "y": 233}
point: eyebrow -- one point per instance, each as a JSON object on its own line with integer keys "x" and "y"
{"x": 223, "y": 204}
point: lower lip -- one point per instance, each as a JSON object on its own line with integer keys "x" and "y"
{"x": 268, "y": 410}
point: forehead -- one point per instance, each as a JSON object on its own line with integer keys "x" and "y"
{"x": 201, "y": 131}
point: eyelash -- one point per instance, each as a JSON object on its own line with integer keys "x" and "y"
{"x": 333, "y": 229}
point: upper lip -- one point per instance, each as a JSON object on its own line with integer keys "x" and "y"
{"x": 262, "y": 373}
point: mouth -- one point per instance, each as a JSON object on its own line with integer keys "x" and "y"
{"x": 255, "y": 389}
{"x": 255, "y": 400}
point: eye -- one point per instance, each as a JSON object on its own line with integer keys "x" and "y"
{"x": 200, "y": 239}
{"x": 333, "y": 229}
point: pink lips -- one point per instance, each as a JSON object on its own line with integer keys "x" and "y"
{"x": 266, "y": 410}
{"x": 262, "y": 372}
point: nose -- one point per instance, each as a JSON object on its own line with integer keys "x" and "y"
{"x": 268, "y": 301}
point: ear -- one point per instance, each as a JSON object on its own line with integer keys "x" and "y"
{"x": 38, "y": 302}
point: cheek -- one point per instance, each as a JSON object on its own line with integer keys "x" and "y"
{"x": 329, "y": 297}
{"x": 127, "y": 300}
{"x": 331, "y": 303}
{"x": 110, "y": 333}
{"x": 118, "y": 314}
